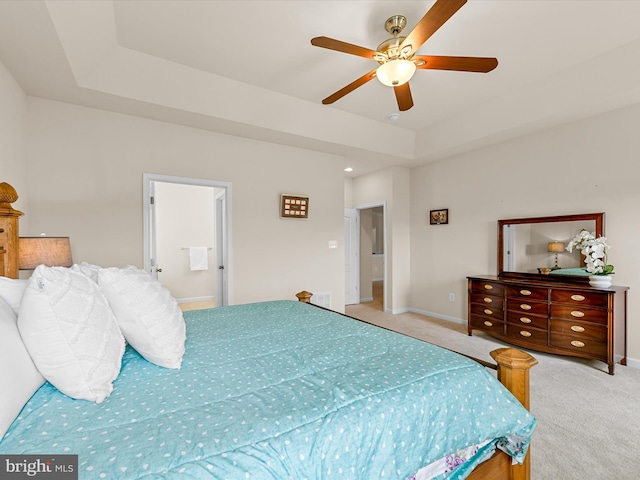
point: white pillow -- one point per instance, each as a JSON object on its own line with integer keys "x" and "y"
{"x": 19, "y": 377}
{"x": 71, "y": 333}
{"x": 147, "y": 314}
{"x": 87, "y": 269}
{"x": 11, "y": 290}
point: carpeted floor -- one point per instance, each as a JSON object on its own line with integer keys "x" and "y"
{"x": 588, "y": 421}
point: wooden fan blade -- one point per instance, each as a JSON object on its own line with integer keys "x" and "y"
{"x": 403, "y": 96}
{"x": 438, "y": 14}
{"x": 350, "y": 88}
{"x": 461, "y": 64}
{"x": 339, "y": 46}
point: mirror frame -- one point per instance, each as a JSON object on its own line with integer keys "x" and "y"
{"x": 597, "y": 217}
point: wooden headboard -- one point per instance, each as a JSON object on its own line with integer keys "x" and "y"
{"x": 9, "y": 233}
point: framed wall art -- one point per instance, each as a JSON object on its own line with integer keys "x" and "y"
{"x": 294, "y": 206}
{"x": 439, "y": 217}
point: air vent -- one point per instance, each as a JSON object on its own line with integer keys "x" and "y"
{"x": 322, "y": 299}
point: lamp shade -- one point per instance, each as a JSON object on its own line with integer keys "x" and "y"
{"x": 395, "y": 72}
{"x": 556, "y": 247}
{"x": 49, "y": 251}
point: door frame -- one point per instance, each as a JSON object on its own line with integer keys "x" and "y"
{"x": 148, "y": 224}
{"x": 352, "y": 251}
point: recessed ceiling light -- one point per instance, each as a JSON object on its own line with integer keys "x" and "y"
{"x": 348, "y": 169}
{"x": 393, "y": 116}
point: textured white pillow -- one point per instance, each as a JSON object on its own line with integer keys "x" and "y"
{"x": 11, "y": 290}
{"x": 19, "y": 377}
{"x": 71, "y": 333}
{"x": 87, "y": 269}
{"x": 147, "y": 314}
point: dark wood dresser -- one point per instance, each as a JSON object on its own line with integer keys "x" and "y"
{"x": 550, "y": 316}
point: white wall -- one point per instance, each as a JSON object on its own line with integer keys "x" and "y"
{"x": 185, "y": 217}
{"x": 85, "y": 181}
{"x": 390, "y": 187}
{"x": 13, "y": 121}
{"x": 584, "y": 167}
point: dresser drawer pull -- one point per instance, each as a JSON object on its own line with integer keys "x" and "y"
{"x": 488, "y": 323}
{"x": 577, "y": 343}
{"x": 525, "y": 292}
{"x": 487, "y": 311}
{"x": 524, "y": 333}
{"x": 524, "y": 306}
{"x": 487, "y": 300}
{"x": 577, "y": 314}
{"x": 577, "y": 298}
{"x": 488, "y": 287}
{"x": 525, "y": 320}
{"x": 577, "y": 328}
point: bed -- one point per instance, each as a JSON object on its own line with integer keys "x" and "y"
{"x": 281, "y": 390}
{"x": 269, "y": 390}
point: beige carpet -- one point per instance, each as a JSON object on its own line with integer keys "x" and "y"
{"x": 588, "y": 421}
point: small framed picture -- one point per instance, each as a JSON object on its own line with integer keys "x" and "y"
{"x": 294, "y": 206}
{"x": 439, "y": 217}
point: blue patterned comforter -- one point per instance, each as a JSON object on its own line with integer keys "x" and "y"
{"x": 280, "y": 390}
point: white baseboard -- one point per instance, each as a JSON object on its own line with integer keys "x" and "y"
{"x": 397, "y": 311}
{"x": 438, "y": 315}
{"x": 366, "y": 299}
{"x": 196, "y": 299}
{"x": 633, "y": 362}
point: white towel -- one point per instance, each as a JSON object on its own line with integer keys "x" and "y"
{"x": 198, "y": 258}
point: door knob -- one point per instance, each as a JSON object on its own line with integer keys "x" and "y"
{"x": 159, "y": 270}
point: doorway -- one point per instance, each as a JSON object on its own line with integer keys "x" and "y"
{"x": 365, "y": 245}
{"x": 187, "y": 237}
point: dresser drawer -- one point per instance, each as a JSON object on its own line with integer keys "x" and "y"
{"x": 526, "y": 320}
{"x": 488, "y": 324}
{"x": 583, "y": 345}
{"x": 485, "y": 299}
{"x": 529, "y": 334}
{"x": 484, "y": 286}
{"x": 590, "y": 299}
{"x": 532, "y": 308}
{"x": 579, "y": 330}
{"x": 568, "y": 312}
{"x": 527, "y": 293}
{"x": 487, "y": 311}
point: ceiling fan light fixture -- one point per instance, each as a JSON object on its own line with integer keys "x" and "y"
{"x": 395, "y": 72}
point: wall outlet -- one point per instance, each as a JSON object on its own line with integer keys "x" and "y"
{"x": 452, "y": 297}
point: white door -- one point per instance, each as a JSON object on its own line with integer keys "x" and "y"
{"x": 221, "y": 278}
{"x": 508, "y": 260}
{"x": 351, "y": 261}
{"x": 152, "y": 268}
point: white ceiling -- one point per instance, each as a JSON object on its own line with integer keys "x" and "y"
{"x": 248, "y": 68}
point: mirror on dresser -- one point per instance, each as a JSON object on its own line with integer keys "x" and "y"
{"x": 536, "y": 246}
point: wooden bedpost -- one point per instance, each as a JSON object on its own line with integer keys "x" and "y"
{"x": 513, "y": 373}
{"x": 304, "y": 296}
{"x": 9, "y": 231}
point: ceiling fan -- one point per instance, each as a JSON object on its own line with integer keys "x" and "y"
{"x": 396, "y": 55}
